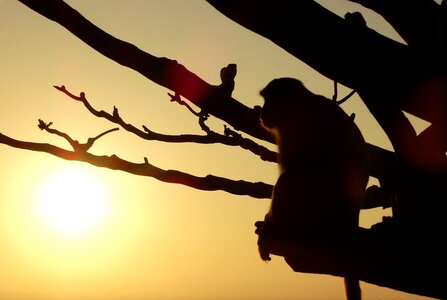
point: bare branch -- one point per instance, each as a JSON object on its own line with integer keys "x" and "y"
{"x": 428, "y": 33}
{"x": 161, "y": 70}
{"x": 176, "y": 98}
{"x": 44, "y": 126}
{"x": 77, "y": 147}
{"x": 349, "y": 52}
{"x": 203, "y": 115}
{"x": 250, "y": 145}
{"x": 104, "y": 133}
{"x": 343, "y": 100}
{"x": 207, "y": 183}
{"x": 388, "y": 76}
{"x": 340, "y": 49}
{"x": 147, "y": 134}
{"x": 178, "y": 78}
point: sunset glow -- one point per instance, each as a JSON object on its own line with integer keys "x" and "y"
{"x": 71, "y": 230}
{"x": 72, "y": 203}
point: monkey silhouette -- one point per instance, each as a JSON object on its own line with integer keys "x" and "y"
{"x": 323, "y": 170}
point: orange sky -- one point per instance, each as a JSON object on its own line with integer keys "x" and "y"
{"x": 160, "y": 241}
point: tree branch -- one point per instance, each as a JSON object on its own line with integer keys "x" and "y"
{"x": 427, "y": 34}
{"x": 344, "y": 99}
{"x": 378, "y": 256}
{"x": 230, "y": 138}
{"x": 381, "y": 161}
{"x": 161, "y": 70}
{"x": 77, "y": 147}
{"x": 343, "y": 50}
{"x": 213, "y": 99}
{"x": 388, "y": 76}
{"x": 207, "y": 183}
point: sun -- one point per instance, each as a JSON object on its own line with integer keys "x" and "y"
{"x": 72, "y": 203}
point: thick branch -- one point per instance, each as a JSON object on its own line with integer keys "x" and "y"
{"x": 379, "y": 256}
{"x": 388, "y": 76}
{"x": 179, "y": 80}
{"x": 344, "y": 50}
{"x": 207, "y": 183}
{"x": 340, "y": 49}
{"x": 161, "y": 70}
{"x": 428, "y": 33}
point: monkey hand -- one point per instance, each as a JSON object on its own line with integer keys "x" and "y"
{"x": 271, "y": 240}
{"x": 264, "y": 230}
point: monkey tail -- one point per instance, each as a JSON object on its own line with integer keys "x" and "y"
{"x": 352, "y": 288}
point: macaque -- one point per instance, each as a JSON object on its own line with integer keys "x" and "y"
{"x": 323, "y": 170}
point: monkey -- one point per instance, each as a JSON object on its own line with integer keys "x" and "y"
{"x": 323, "y": 170}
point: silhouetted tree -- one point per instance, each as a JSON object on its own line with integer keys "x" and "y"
{"x": 405, "y": 252}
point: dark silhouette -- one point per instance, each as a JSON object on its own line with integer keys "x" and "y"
{"x": 405, "y": 252}
{"x": 324, "y": 172}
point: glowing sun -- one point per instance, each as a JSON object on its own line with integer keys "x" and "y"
{"x": 72, "y": 202}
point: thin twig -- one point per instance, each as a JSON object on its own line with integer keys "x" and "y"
{"x": 147, "y": 134}
{"x": 341, "y": 101}
{"x": 176, "y": 98}
{"x": 77, "y": 147}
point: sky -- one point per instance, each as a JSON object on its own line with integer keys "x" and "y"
{"x": 143, "y": 239}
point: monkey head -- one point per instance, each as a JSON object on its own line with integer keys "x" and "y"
{"x": 283, "y": 98}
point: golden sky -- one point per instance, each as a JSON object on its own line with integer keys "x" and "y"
{"x": 145, "y": 239}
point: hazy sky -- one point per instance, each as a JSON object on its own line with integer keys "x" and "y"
{"x": 155, "y": 240}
